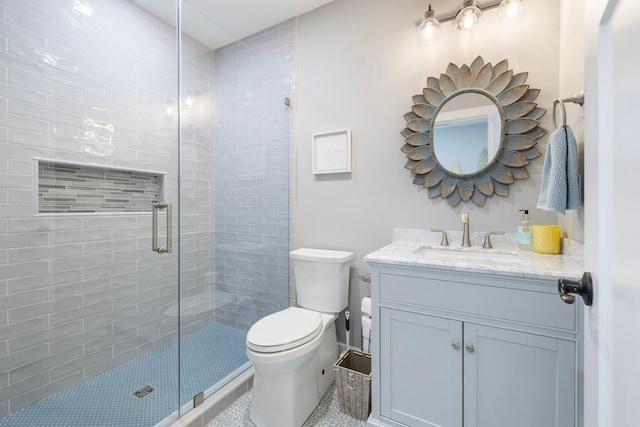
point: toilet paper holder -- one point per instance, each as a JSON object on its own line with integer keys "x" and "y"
{"x": 365, "y": 323}
{"x": 365, "y": 306}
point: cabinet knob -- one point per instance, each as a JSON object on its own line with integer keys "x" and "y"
{"x": 470, "y": 348}
{"x": 455, "y": 345}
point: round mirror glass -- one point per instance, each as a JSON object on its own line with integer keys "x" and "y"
{"x": 467, "y": 132}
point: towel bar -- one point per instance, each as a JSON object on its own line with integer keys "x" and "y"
{"x": 557, "y": 102}
{"x": 578, "y": 98}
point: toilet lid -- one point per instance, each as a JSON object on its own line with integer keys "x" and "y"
{"x": 284, "y": 330}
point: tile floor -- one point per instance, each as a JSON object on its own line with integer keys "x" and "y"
{"x": 209, "y": 354}
{"x": 327, "y": 414}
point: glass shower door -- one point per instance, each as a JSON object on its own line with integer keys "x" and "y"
{"x": 211, "y": 353}
{"x": 235, "y": 210}
{"x": 89, "y": 143}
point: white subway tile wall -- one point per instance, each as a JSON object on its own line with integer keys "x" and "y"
{"x": 81, "y": 294}
{"x": 252, "y": 153}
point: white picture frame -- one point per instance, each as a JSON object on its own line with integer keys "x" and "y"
{"x": 332, "y": 152}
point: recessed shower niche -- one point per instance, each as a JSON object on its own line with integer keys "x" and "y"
{"x": 67, "y": 188}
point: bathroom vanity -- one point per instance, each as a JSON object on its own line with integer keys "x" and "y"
{"x": 472, "y": 336}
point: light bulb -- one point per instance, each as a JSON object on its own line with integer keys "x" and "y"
{"x": 429, "y": 28}
{"x": 468, "y": 18}
{"x": 511, "y": 12}
{"x": 468, "y": 21}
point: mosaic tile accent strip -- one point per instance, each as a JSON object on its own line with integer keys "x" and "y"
{"x": 64, "y": 188}
{"x": 209, "y": 355}
{"x": 326, "y": 414}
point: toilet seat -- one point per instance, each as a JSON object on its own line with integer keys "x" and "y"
{"x": 284, "y": 330}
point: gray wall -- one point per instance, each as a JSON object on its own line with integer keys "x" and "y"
{"x": 572, "y": 80}
{"x": 359, "y": 65}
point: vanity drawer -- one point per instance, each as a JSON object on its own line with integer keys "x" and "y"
{"x": 513, "y": 304}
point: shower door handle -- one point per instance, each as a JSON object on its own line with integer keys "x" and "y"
{"x": 154, "y": 228}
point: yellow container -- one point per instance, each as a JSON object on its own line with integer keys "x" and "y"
{"x": 546, "y": 239}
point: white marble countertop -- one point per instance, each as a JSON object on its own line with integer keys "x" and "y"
{"x": 421, "y": 248}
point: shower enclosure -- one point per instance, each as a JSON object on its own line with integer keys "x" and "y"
{"x": 125, "y": 127}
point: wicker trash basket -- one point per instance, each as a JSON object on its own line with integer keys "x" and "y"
{"x": 353, "y": 381}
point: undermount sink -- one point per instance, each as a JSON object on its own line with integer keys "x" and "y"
{"x": 493, "y": 255}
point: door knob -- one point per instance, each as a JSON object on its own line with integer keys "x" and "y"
{"x": 582, "y": 287}
{"x": 470, "y": 348}
{"x": 455, "y": 345}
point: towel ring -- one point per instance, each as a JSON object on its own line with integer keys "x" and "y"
{"x": 563, "y": 110}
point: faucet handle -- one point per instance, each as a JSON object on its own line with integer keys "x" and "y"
{"x": 487, "y": 239}
{"x": 445, "y": 240}
{"x": 466, "y": 242}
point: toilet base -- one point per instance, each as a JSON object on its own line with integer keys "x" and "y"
{"x": 285, "y": 394}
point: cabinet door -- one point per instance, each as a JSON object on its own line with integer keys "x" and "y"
{"x": 517, "y": 379}
{"x": 420, "y": 369}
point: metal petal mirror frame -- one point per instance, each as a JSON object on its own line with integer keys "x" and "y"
{"x": 520, "y": 131}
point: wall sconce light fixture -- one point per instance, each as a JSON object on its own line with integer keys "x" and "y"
{"x": 429, "y": 28}
{"x": 466, "y": 20}
{"x": 511, "y": 12}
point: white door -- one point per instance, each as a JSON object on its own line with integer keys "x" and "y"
{"x": 612, "y": 235}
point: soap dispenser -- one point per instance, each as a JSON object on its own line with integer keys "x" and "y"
{"x": 525, "y": 232}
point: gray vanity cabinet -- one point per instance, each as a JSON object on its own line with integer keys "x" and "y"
{"x": 421, "y": 380}
{"x": 517, "y": 379}
{"x": 475, "y": 350}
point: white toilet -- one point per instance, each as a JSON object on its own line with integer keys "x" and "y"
{"x": 293, "y": 350}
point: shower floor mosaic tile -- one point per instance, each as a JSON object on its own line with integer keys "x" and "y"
{"x": 106, "y": 400}
{"x": 327, "y": 414}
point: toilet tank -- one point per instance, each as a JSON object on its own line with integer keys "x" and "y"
{"x": 322, "y": 279}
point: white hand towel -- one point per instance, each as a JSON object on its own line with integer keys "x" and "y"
{"x": 559, "y": 189}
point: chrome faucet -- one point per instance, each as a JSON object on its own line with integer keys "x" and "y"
{"x": 487, "y": 238}
{"x": 445, "y": 240}
{"x": 465, "y": 231}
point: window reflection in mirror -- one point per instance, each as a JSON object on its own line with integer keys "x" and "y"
{"x": 467, "y": 133}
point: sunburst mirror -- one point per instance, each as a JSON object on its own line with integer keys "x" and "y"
{"x": 472, "y": 132}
